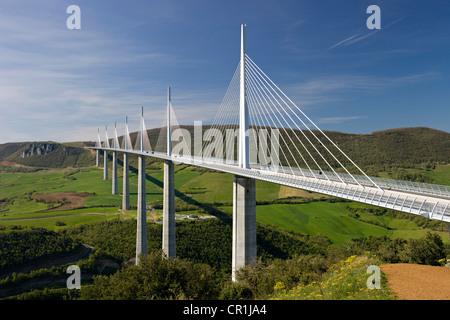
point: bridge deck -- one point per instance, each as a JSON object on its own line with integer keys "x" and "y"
{"x": 427, "y": 200}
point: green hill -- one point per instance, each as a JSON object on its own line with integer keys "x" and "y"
{"x": 46, "y": 155}
{"x": 416, "y": 147}
{"x": 376, "y": 152}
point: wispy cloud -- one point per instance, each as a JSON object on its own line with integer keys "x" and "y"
{"x": 58, "y": 84}
{"x": 335, "y": 120}
{"x": 344, "y": 42}
{"x": 360, "y": 36}
{"x": 333, "y": 88}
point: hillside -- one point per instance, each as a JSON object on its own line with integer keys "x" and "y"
{"x": 379, "y": 151}
{"x": 45, "y": 154}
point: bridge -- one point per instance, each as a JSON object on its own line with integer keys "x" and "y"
{"x": 257, "y": 134}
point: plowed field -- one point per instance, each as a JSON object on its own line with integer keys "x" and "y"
{"x": 418, "y": 282}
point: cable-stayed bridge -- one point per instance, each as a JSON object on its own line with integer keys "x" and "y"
{"x": 258, "y": 134}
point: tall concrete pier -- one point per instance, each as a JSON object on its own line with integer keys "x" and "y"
{"x": 141, "y": 235}
{"x": 97, "y": 158}
{"x": 114, "y": 174}
{"x": 168, "y": 240}
{"x": 105, "y": 165}
{"x": 126, "y": 183}
{"x": 244, "y": 196}
{"x": 126, "y": 171}
{"x": 244, "y": 224}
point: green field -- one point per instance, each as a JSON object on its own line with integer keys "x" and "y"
{"x": 331, "y": 219}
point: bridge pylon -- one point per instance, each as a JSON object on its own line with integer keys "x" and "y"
{"x": 105, "y": 165}
{"x": 244, "y": 193}
{"x": 141, "y": 232}
{"x": 126, "y": 173}
{"x": 168, "y": 240}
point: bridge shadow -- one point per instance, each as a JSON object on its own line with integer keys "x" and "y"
{"x": 182, "y": 196}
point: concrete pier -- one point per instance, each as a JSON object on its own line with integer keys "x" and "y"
{"x": 244, "y": 224}
{"x": 141, "y": 235}
{"x": 105, "y": 165}
{"x": 97, "y": 158}
{"x": 126, "y": 183}
{"x": 114, "y": 174}
{"x": 168, "y": 240}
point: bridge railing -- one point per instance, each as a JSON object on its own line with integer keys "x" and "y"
{"x": 366, "y": 193}
{"x": 390, "y": 184}
{"x": 390, "y": 196}
{"x": 381, "y": 198}
{"x": 384, "y": 183}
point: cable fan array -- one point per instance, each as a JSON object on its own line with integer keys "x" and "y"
{"x": 297, "y": 143}
{"x": 282, "y": 138}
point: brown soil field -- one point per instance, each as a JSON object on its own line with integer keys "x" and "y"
{"x": 73, "y": 200}
{"x": 13, "y": 164}
{"x": 418, "y": 282}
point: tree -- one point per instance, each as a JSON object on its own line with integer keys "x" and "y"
{"x": 428, "y": 250}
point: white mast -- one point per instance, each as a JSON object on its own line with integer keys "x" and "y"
{"x": 169, "y": 142}
{"x": 244, "y": 161}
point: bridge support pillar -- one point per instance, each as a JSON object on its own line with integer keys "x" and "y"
{"x": 126, "y": 183}
{"x": 244, "y": 224}
{"x": 114, "y": 174}
{"x": 141, "y": 234}
{"x": 168, "y": 240}
{"x": 105, "y": 165}
{"x": 97, "y": 158}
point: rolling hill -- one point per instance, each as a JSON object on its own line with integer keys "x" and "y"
{"x": 417, "y": 147}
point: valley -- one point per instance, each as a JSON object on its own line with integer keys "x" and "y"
{"x": 70, "y": 198}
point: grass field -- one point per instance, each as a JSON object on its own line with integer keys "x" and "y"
{"x": 330, "y": 219}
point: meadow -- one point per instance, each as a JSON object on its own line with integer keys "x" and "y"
{"x": 302, "y": 212}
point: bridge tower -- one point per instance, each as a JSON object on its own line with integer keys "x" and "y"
{"x": 105, "y": 157}
{"x": 114, "y": 164}
{"x": 97, "y": 155}
{"x": 168, "y": 240}
{"x": 244, "y": 196}
{"x": 141, "y": 234}
{"x": 126, "y": 172}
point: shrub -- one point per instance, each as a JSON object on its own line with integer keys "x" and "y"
{"x": 155, "y": 278}
{"x": 428, "y": 250}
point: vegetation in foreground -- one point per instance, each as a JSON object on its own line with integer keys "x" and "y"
{"x": 291, "y": 266}
{"x": 345, "y": 280}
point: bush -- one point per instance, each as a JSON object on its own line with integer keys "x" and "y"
{"x": 236, "y": 291}
{"x": 156, "y": 278}
{"x": 428, "y": 250}
{"x": 262, "y": 278}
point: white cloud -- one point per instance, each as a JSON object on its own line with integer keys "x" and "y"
{"x": 331, "y": 88}
{"x": 336, "y": 120}
{"x": 358, "y": 37}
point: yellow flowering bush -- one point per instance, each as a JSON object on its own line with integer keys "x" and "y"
{"x": 346, "y": 280}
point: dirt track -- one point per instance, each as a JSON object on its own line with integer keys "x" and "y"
{"x": 418, "y": 282}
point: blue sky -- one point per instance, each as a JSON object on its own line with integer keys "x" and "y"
{"x": 61, "y": 85}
